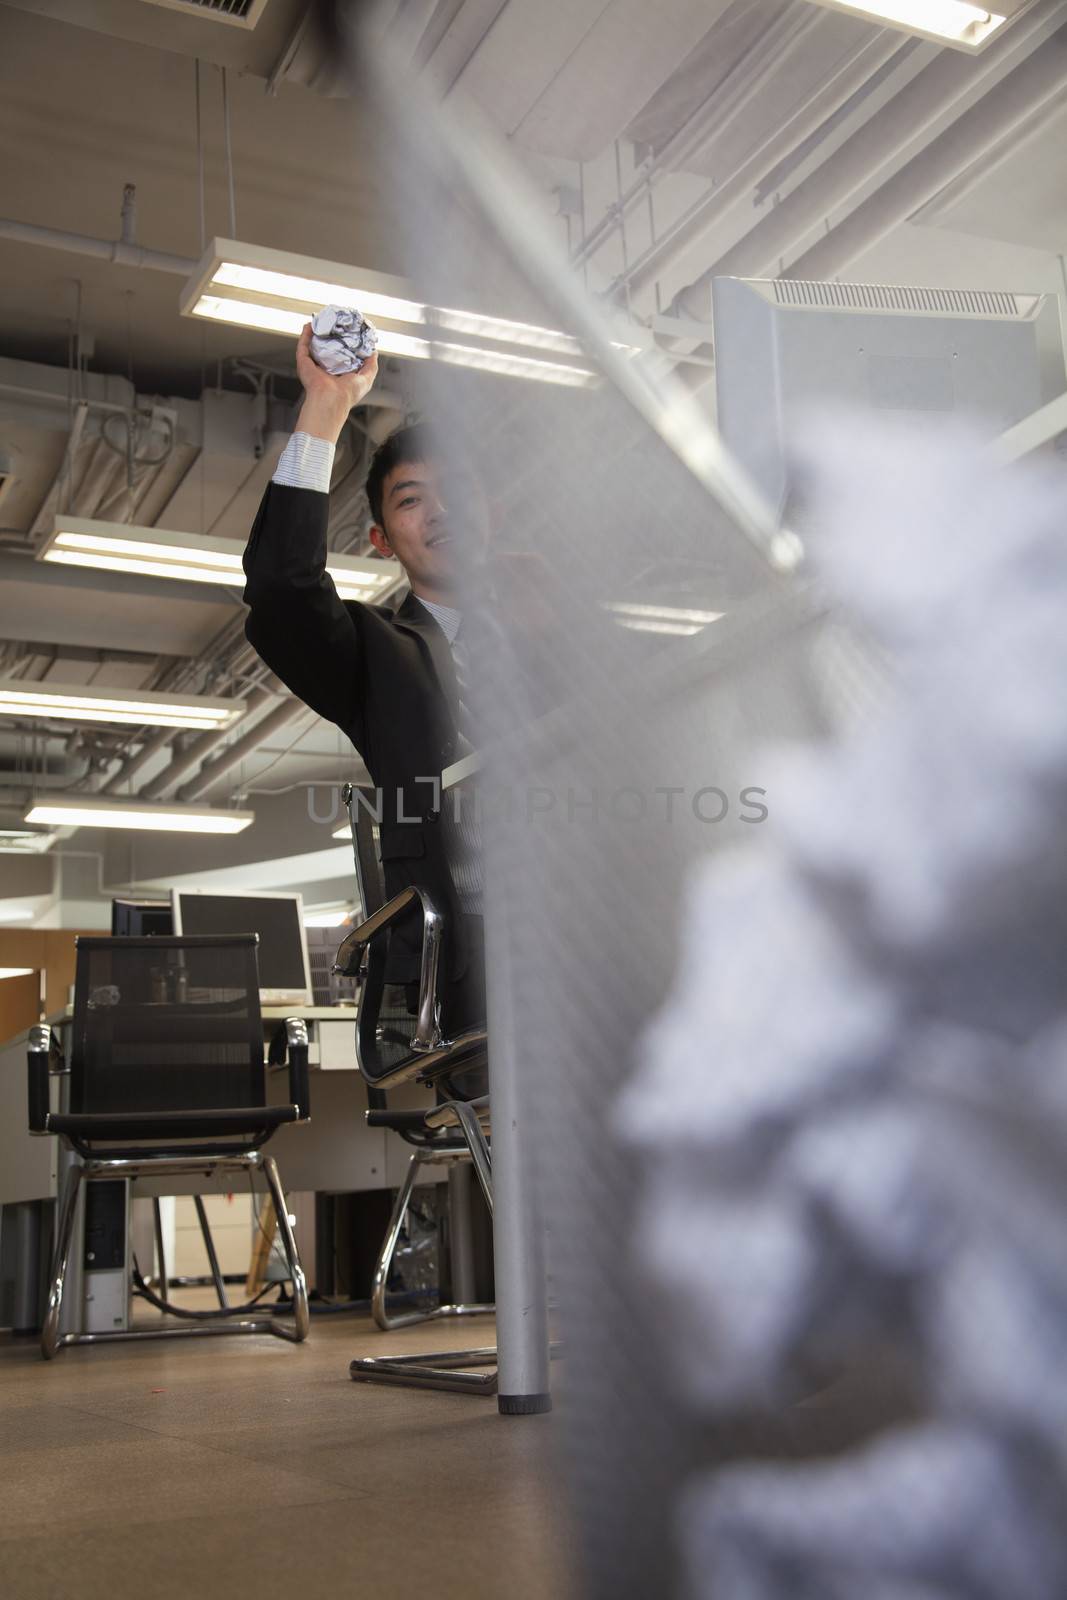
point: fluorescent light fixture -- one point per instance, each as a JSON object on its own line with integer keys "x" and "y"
{"x": 954, "y": 22}
{"x": 18, "y": 841}
{"x": 76, "y": 702}
{"x": 16, "y": 914}
{"x": 193, "y": 558}
{"x": 678, "y": 620}
{"x": 87, "y": 811}
{"x": 277, "y": 291}
{"x": 17, "y": 972}
{"x": 274, "y": 282}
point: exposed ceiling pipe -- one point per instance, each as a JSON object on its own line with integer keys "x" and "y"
{"x": 289, "y": 712}
{"x": 711, "y": 116}
{"x": 1040, "y": 81}
{"x": 165, "y": 738}
{"x": 196, "y": 752}
{"x": 129, "y": 770}
{"x": 45, "y": 397}
{"x": 920, "y": 104}
{"x": 851, "y": 78}
{"x": 83, "y": 244}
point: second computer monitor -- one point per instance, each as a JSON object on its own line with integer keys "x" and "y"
{"x": 141, "y": 918}
{"x": 284, "y": 973}
{"x": 786, "y": 348}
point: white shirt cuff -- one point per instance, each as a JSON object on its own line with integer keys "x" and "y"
{"x": 306, "y": 463}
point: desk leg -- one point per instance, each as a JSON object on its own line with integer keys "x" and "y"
{"x": 26, "y": 1312}
{"x": 460, "y": 1179}
{"x": 518, "y": 1236}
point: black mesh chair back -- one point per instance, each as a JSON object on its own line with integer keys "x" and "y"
{"x": 166, "y": 1024}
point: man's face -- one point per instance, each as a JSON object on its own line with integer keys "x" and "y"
{"x": 435, "y": 521}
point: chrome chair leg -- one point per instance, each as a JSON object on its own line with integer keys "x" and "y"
{"x": 228, "y": 1322}
{"x": 379, "y": 1308}
{"x": 301, "y": 1317}
{"x": 384, "y": 1262}
{"x": 64, "y": 1229}
{"x": 446, "y": 1369}
{"x": 478, "y": 1146}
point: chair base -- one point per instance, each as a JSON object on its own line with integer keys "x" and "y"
{"x": 447, "y": 1369}
{"x": 202, "y": 1330}
{"x": 102, "y": 1166}
{"x": 441, "y": 1371}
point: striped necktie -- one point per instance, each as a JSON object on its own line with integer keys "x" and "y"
{"x": 461, "y": 666}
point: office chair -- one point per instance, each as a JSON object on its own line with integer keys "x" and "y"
{"x": 167, "y": 1078}
{"x": 395, "y": 1046}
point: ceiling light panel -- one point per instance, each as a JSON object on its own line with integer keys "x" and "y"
{"x": 278, "y": 292}
{"x": 193, "y": 558}
{"x": 88, "y": 811}
{"x": 951, "y": 22}
{"x": 37, "y": 701}
{"x": 17, "y": 840}
{"x": 682, "y": 621}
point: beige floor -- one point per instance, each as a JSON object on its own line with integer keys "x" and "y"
{"x": 251, "y": 1467}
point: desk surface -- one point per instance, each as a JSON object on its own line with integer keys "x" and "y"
{"x": 268, "y": 1013}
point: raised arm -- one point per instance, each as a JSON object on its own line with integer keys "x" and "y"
{"x": 296, "y": 622}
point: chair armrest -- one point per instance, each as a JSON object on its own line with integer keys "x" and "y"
{"x": 37, "y": 1056}
{"x": 296, "y": 1049}
{"x": 446, "y": 1115}
{"x": 451, "y": 1055}
{"x": 350, "y": 955}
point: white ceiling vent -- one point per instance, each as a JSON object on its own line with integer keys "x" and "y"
{"x": 242, "y": 13}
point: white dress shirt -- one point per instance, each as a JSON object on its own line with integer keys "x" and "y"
{"x": 306, "y": 463}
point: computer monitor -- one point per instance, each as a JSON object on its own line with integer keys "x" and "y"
{"x": 784, "y": 348}
{"x": 138, "y": 918}
{"x": 284, "y": 974}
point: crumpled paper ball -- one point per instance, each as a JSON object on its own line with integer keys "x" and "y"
{"x": 342, "y": 340}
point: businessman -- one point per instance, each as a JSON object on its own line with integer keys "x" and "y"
{"x": 388, "y": 680}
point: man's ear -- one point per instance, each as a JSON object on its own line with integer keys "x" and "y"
{"x": 379, "y": 540}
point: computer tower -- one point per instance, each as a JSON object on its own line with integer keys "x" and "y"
{"x": 105, "y": 1272}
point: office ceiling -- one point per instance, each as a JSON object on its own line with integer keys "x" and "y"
{"x": 728, "y": 104}
{"x": 1016, "y": 193}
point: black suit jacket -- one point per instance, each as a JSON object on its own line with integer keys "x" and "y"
{"x": 385, "y": 678}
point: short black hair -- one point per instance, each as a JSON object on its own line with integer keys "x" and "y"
{"x": 415, "y": 442}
